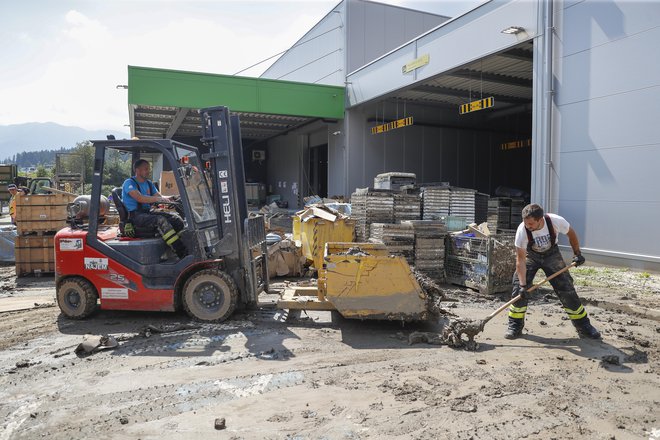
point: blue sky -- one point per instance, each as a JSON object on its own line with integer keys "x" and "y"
{"x": 61, "y": 60}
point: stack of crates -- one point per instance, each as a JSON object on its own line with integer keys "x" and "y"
{"x": 369, "y": 205}
{"x": 499, "y": 213}
{"x": 38, "y": 218}
{"x": 517, "y": 205}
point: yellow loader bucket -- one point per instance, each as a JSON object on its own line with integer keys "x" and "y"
{"x": 362, "y": 280}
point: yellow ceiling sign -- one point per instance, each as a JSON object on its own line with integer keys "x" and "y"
{"x": 399, "y": 123}
{"x": 416, "y": 63}
{"x": 516, "y": 144}
{"x": 477, "y": 105}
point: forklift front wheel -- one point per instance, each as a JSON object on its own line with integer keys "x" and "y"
{"x": 210, "y": 295}
{"x": 77, "y": 298}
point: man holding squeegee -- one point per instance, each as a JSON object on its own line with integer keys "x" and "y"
{"x": 536, "y": 248}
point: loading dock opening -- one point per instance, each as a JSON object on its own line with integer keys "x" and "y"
{"x": 489, "y": 150}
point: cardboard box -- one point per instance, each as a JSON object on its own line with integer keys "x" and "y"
{"x": 168, "y": 186}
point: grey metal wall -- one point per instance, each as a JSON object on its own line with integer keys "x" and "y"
{"x": 319, "y": 56}
{"x": 374, "y": 29}
{"x": 606, "y": 141}
{"x": 352, "y": 34}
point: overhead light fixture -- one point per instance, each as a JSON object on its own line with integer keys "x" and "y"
{"x": 513, "y": 30}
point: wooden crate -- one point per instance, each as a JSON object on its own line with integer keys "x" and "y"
{"x": 34, "y": 254}
{"x": 41, "y": 212}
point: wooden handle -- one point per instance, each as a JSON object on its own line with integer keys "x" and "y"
{"x": 531, "y": 289}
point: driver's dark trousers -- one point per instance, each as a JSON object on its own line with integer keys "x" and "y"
{"x": 550, "y": 262}
{"x": 168, "y": 224}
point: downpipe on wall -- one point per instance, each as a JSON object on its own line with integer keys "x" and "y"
{"x": 548, "y": 96}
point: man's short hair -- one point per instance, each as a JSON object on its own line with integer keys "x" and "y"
{"x": 139, "y": 163}
{"x": 532, "y": 210}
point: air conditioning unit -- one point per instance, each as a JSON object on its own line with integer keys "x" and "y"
{"x": 258, "y": 155}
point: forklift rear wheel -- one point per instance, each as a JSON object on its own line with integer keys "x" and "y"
{"x": 210, "y": 295}
{"x": 77, "y": 298}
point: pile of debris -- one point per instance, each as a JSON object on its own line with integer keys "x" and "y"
{"x": 285, "y": 259}
{"x": 277, "y": 219}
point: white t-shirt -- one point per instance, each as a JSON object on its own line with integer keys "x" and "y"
{"x": 542, "y": 236}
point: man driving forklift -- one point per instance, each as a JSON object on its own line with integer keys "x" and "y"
{"x": 138, "y": 193}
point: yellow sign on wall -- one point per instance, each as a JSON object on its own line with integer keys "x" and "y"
{"x": 399, "y": 123}
{"x": 477, "y": 105}
{"x": 416, "y": 63}
{"x": 513, "y": 145}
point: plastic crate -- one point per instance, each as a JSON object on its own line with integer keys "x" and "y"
{"x": 483, "y": 264}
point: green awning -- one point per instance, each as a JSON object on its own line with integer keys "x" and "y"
{"x": 163, "y": 103}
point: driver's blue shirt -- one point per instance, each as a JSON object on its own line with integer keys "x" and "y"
{"x": 146, "y": 188}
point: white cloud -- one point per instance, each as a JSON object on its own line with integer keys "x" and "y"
{"x": 89, "y": 57}
{"x": 65, "y": 67}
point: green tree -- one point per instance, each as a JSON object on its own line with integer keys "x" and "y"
{"x": 117, "y": 168}
{"x": 79, "y": 160}
{"x": 42, "y": 171}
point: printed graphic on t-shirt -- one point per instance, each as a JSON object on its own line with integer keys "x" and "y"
{"x": 542, "y": 242}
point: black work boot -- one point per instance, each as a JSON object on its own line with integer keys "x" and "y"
{"x": 515, "y": 328}
{"x": 585, "y": 329}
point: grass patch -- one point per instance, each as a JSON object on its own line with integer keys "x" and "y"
{"x": 585, "y": 271}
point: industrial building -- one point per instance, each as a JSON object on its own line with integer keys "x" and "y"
{"x": 563, "y": 100}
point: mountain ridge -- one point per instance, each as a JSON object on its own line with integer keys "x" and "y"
{"x": 36, "y": 136}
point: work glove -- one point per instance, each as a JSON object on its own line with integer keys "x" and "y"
{"x": 129, "y": 230}
{"x": 522, "y": 291}
{"x": 578, "y": 260}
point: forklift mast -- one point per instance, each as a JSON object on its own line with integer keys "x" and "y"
{"x": 241, "y": 237}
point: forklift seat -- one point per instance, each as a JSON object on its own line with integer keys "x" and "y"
{"x": 140, "y": 232}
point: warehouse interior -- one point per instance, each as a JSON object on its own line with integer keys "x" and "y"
{"x": 487, "y": 150}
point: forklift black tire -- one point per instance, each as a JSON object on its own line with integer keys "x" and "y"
{"x": 77, "y": 298}
{"x": 210, "y": 295}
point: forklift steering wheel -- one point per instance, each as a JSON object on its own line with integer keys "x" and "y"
{"x": 177, "y": 207}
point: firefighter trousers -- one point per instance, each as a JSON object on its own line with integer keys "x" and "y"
{"x": 168, "y": 225}
{"x": 550, "y": 262}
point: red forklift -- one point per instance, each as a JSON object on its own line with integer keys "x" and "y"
{"x": 226, "y": 268}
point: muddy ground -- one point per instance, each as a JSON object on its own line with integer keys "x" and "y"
{"x": 318, "y": 376}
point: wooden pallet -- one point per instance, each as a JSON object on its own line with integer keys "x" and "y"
{"x": 303, "y": 298}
